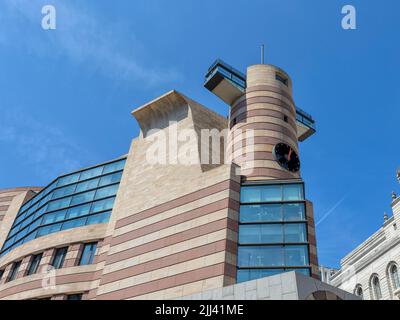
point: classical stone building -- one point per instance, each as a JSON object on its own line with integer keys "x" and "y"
{"x": 372, "y": 269}
{"x": 172, "y": 218}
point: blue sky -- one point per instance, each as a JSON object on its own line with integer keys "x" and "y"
{"x": 66, "y": 95}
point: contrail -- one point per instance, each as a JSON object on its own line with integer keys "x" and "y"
{"x": 326, "y": 215}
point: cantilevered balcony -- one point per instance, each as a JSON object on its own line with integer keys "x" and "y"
{"x": 228, "y": 84}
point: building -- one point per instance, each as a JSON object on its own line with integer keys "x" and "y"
{"x": 327, "y": 274}
{"x": 372, "y": 269}
{"x": 198, "y": 203}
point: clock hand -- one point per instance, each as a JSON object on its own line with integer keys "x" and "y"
{"x": 290, "y": 154}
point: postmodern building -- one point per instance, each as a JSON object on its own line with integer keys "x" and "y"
{"x": 199, "y": 203}
{"x": 371, "y": 270}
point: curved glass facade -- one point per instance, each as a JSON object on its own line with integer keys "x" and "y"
{"x": 272, "y": 231}
{"x": 81, "y": 198}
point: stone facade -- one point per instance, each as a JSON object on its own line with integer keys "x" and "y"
{"x": 286, "y": 286}
{"x": 367, "y": 269}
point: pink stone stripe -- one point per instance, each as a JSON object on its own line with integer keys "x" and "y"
{"x": 183, "y": 217}
{"x": 264, "y": 100}
{"x": 267, "y": 172}
{"x": 170, "y": 282}
{"x": 283, "y": 92}
{"x": 37, "y": 284}
{"x": 173, "y": 239}
{"x": 247, "y": 115}
{"x": 176, "y": 203}
{"x": 198, "y": 252}
{"x": 265, "y": 126}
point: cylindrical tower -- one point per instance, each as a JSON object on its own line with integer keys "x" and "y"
{"x": 267, "y": 112}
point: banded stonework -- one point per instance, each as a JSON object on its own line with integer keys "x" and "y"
{"x": 266, "y": 108}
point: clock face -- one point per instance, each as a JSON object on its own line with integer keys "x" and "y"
{"x": 286, "y": 157}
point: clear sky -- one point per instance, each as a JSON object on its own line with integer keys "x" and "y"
{"x": 66, "y": 94}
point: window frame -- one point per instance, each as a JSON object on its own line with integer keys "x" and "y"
{"x": 33, "y": 269}
{"x": 89, "y": 256}
{"x": 60, "y": 264}
{"x": 12, "y": 275}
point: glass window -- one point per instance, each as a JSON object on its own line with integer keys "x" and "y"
{"x": 296, "y": 256}
{"x": 59, "y": 257}
{"x": 261, "y": 213}
{"x": 295, "y": 233}
{"x": 107, "y": 191}
{"x": 35, "y": 224}
{"x": 261, "y": 233}
{"x": 54, "y": 217}
{"x": 395, "y": 277}
{"x": 74, "y": 297}
{"x": 270, "y": 193}
{"x": 294, "y": 212}
{"x": 65, "y": 191}
{"x": 43, "y": 231}
{"x": 14, "y": 271}
{"x": 115, "y": 166}
{"x": 78, "y": 211}
{"x": 68, "y": 179}
{"x": 87, "y": 185}
{"x": 34, "y": 264}
{"x": 262, "y": 256}
{"x": 102, "y": 205}
{"x": 293, "y": 192}
{"x": 88, "y": 254}
{"x": 58, "y": 204}
{"x": 99, "y": 218}
{"x": 91, "y": 173}
{"x": 74, "y": 223}
{"x": 377, "y": 288}
{"x": 244, "y": 275}
{"x": 83, "y": 197}
{"x": 359, "y": 291}
{"x": 110, "y": 179}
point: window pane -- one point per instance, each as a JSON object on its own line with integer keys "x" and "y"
{"x": 87, "y": 185}
{"x": 49, "y": 229}
{"x": 91, "y": 173}
{"x": 296, "y": 256}
{"x": 269, "y": 193}
{"x": 295, "y": 233}
{"x": 110, "y": 179}
{"x": 14, "y": 271}
{"x": 65, "y": 191}
{"x": 68, "y": 179}
{"x": 116, "y": 166}
{"x": 59, "y": 257}
{"x": 54, "y": 217}
{"x": 264, "y": 233}
{"x": 293, "y": 192}
{"x": 99, "y": 218}
{"x": 74, "y": 223}
{"x": 306, "y": 272}
{"x": 261, "y": 212}
{"x": 102, "y": 205}
{"x": 78, "y": 211}
{"x": 268, "y": 256}
{"x": 88, "y": 254}
{"x": 294, "y": 212}
{"x": 58, "y": 204}
{"x": 244, "y": 275}
{"x": 107, "y": 191}
{"x": 34, "y": 265}
{"x": 84, "y": 197}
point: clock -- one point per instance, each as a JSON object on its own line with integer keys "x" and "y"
{"x": 286, "y": 157}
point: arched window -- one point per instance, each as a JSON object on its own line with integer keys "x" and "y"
{"x": 358, "y": 291}
{"x": 394, "y": 277}
{"x": 376, "y": 287}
